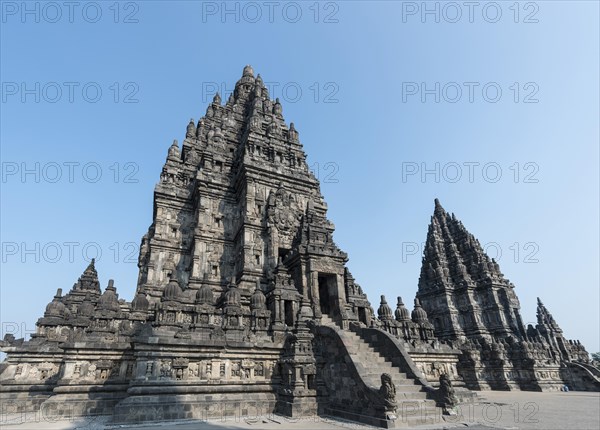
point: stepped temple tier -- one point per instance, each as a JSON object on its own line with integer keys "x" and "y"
{"x": 245, "y": 306}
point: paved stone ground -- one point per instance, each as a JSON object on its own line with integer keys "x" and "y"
{"x": 532, "y": 410}
{"x": 495, "y": 410}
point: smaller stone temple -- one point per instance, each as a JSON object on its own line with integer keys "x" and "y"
{"x": 245, "y": 305}
{"x": 474, "y": 308}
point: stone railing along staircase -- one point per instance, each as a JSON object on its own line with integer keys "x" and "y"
{"x": 583, "y": 377}
{"x": 414, "y": 407}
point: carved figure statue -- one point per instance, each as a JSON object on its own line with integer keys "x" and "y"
{"x": 447, "y": 395}
{"x": 387, "y": 391}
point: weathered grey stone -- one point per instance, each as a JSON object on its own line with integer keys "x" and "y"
{"x": 475, "y": 309}
{"x": 244, "y": 305}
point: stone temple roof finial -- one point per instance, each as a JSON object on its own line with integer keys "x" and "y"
{"x": 438, "y": 207}
{"x": 92, "y": 265}
{"x": 248, "y": 71}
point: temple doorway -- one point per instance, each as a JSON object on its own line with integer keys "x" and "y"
{"x": 327, "y": 292}
{"x": 362, "y": 315}
{"x": 289, "y": 313}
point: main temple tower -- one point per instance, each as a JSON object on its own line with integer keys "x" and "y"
{"x": 237, "y": 203}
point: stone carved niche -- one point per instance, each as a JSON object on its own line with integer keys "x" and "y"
{"x": 19, "y": 371}
{"x": 274, "y": 128}
{"x": 283, "y": 215}
{"x": 236, "y": 369}
{"x": 115, "y": 370}
{"x": 104, "y": 368}
{"x": 91, "y": 372}
{"x": 149, "y": 368}
{"x": 165, "y": 369}
{"x": 47, "y": 370}
{"x": 129, "y": 369}
{"x": 180, "y": 367}
{"x": 259, "y": 369}
{"x": 207, "y": 369}
{"x": 39, "y": 371}
{"x": 194, "y": 370}
{"x": 247, "y": 367}
{"x": 58, "y": 333}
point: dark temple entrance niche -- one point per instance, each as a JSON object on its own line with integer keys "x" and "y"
{"x": 282, "y": 253}
{"x": 289, "y": 313}
{"x": 362, "y": 315}
{"x": 327, "y": 292}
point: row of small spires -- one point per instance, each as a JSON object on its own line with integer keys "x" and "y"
{"x": 401, "y": 314}
{"x": 109, "y": 299}
{"x": 232, "y": 298}
{"x": 204, "y": 296}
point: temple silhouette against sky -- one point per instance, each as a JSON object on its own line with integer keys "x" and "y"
{"x": 244, "y": 304}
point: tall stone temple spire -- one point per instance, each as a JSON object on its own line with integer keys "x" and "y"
{"x": 545, "y": 318}
{"x": 461, "y": 288}
{"x": 89, "y": 279}
{"x": 236, "y": 200}
{"x": 548, "y": 329}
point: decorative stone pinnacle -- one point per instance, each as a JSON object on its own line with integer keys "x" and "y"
{"x": 438, "y": 207}
{"x": 248, "y": 71}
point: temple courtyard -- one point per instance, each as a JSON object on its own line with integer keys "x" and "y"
{"x": 494, "y": 410}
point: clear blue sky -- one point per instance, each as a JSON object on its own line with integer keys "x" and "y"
{"x": 370, "y": 62}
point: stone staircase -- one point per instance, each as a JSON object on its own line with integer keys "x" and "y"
{"x": 583, "y": 377}
{"x": 414, "y": 408}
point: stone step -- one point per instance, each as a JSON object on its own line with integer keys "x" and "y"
{"x": 383, "y": 367}
{"x": 370, "y": 364}
{"x": 403, "y": 391}
{"x": 401, "y": 386}
{"x": 363, "y": 347}
{"x": 368, "y": 358}
{"x": 410, "y": 388}
{"x": 367, "y": 363}
{"x": 375, "y": 380}
{"x": 412, "y": 396}
{"x": 394, "y": 372}
{"x": 366, "y": 347}
{"x": 397, "y": 379}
